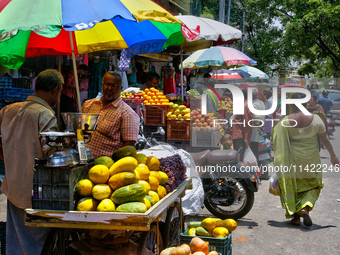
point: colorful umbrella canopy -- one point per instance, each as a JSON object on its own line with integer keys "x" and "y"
{"x": 224, "y": 74}
{"x": 254, "y": 72}
{"x": 211, "y": 33}
{"x": 114, "y": 26}
{"x": 217, "y": 56}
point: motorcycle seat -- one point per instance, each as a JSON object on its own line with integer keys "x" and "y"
{"x": 223, "y": 157}
{"x": 200, "y": 157}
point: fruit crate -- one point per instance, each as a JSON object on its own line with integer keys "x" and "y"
{"x": 180, "y": 144}
{"x": 178, "y": 130}
{"x": 222, "y": 246}
{"x": 54, "y": 187}
{"x": 2, "y": 238}
{"x": 209, "y": 138}
{"x": 147, "y": 130}
{"x": 155, "y": 115}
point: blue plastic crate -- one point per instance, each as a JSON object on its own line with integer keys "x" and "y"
{"x": 222, "y": 246}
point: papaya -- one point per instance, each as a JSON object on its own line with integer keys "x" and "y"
{"x": 124, "y": 152}
{"x": 208, "y": 223}
{"x": 130, "y": 193}
{"x": 194, "y": 224}
{"x": 220, "y": 231}
{"x": 127, "y": 164}
{"x": 133, "y": 207}
{"x": 121, "y": 179}
{"x": 192, "y": 232}
{"x": 201, "y": 231}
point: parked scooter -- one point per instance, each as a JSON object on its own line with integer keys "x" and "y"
{"x": 228, "y": 194}
{"x": 330, "y": 124}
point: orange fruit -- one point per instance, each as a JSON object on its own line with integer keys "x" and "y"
{"x": 99, "y": 174}
{"x": 209, "y": 223}
{"x": 143, "y": 171}
{"x": 87, "y": 204}
{"x": 161, "y": 191}
{"x": 141, "y": 158}
{"x": 154, "y": 97}
{"x": 84, "y": 188}
{"x": 152, "y": 163}
{"x": 106, "y": 205}
{"x": 154, "y": 196}
{"x": 157, "y": 175}
{"x": 146, "y": 90}
{"x": 154, "y": 183}
{"x": 164, "y": 177}
{"x": 101, "y": 191}
{"x": 231, "y": 224}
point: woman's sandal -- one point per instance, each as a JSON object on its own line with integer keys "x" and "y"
{"x": 294, "y": 223}
{"x": 306, "y": 219}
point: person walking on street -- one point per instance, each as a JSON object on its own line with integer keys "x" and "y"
{"x": 257, "y": 132}
{"x": 20, "y": 125}
{"x": 295, "y": 145}
{"x": 269, "y": 102}
{"x": 118, "y": 124}
{"x": 325, "y": 102}
{"x": 241, "y": 131}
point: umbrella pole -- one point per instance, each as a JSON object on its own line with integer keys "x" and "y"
{"x": 75, "y": 72}
{"x": 58, "y": 106}
{"x": 182, "y": 94}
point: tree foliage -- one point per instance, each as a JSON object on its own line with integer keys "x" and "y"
{"x": 279, "y": 31}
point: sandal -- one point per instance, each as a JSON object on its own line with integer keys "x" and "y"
{"x": 307, "y": 219}
{"x": 294, "y": 223}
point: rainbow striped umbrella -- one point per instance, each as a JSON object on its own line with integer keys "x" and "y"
{"x": 217, "y": 56}
{"x": 31, "y": 28}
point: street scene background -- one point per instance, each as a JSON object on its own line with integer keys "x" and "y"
{"x": 265, "y": 230}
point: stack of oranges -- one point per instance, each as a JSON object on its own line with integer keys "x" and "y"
{"x": 153, "y": 96}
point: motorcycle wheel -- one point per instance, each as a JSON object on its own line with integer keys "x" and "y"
{"x": 231, "y": 212}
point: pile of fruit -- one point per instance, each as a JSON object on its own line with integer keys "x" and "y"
{"x": 212, "y": 227}
{"x": 153, "y": 96}
{"x": 194, "y": 93}
{"x": 203, "y": 122}
{"x": 126, "y": 182}
{"x": 227, "y": 104}
{"x": 178, "y": 112}
{"x": 132, "y": 95}
{"x": 197, "y": 246}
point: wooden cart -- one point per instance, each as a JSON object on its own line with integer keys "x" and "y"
{"x": 65, "y": 222}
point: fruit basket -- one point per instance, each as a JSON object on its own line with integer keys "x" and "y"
{"x": 178, "y": 130}
{"x": 222, "y": 245}
{"x": 155, "y": 115}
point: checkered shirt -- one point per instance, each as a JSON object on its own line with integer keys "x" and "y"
{"x": 117, "y": 123}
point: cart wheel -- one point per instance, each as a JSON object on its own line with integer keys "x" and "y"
{"x": 148, "y": 242}
{"x": 58, "y": 242}
{"x": 174, "y": 224}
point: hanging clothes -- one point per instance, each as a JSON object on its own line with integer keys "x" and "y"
{"x": 168, "y": 77}
{"x": 97, "y": 70}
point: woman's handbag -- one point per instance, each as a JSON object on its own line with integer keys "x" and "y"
{"x": 274, "y": 185}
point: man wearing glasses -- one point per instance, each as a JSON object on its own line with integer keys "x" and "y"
{"x": 118, "y": 124}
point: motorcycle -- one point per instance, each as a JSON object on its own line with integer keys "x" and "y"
{"x": 265, "y": 157}
{"x": 330, "y": 124}
{"x": 228, "y": 194}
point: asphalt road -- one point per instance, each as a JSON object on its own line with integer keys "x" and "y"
{"x": 265, "y": 229}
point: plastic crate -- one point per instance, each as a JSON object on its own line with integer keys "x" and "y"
{"x": 24, "y": 83}
{"x": 222, "y": 246}
{"x": 178, "y": 130}
{"x": 180, "y": 144}
{"x": 209, "y": 138}
{"x": 2, "y": 238}
{"x": 155, "y": 115}
{"x": 54, "y": 187}
{"x": 147, "y": 130}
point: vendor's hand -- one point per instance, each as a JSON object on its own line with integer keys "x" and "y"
{"x": 335, "y": 161}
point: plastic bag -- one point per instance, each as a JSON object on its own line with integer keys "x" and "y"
{"x": 274, "y": 185}
{"x": 249, "y": 158}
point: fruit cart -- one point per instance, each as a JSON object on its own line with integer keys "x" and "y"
{"x": 65, "y": 223}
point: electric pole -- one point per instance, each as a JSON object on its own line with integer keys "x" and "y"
{"x": 222, "y": 11}
{"x": 228, "y": 13}
{"x": 243, "y": 35}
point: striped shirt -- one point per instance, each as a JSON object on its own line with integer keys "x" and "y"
{"x": 117, "y": 124}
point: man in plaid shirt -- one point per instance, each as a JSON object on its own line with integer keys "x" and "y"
{"x": 118, "y": 124}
